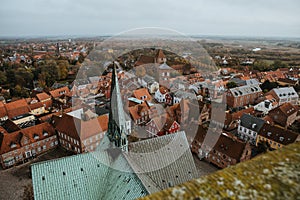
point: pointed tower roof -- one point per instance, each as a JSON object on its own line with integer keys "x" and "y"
{"x": 117, "y": 128}
{"x": 160, "y": 54}
{"x": 116, "y": 100}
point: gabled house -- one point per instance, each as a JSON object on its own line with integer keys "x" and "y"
{"x": 37, "y": 108}
{"x": 78, "y": 133}
{"x": 242, "y": 96}
{"x": 276, "y": 137}
{"x": 285, "y": 95}
{"x": 17, "y": 108}
{"x": 57, "y": 93}
{"x": 191, "y": 110}
{"x": 142, "y": 94}
{"x": 61, "y": 96}
{"x": 165, "y": 71}
{"x": 284, "y": 115}
{"x": 155, "y": 127}
{"x": 45, "y": 99}
{"x": 221, "y": 149}
{"x": 171, "y": 126}
{"x": 249, "y": 128}
{"x": 140, "y": 113}
{"x": 160, "y": 94}
{"x": 21, "y": 145}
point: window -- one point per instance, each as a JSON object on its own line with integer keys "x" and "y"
{"x": 52, "y": 144}
{"x": 44, "y": 147}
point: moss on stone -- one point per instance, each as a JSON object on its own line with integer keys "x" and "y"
{"x": 274, "y": 175}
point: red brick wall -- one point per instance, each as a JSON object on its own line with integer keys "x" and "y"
{"x": 39, "y": 147}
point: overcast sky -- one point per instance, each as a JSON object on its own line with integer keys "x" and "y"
{"x": 197, "y": 17}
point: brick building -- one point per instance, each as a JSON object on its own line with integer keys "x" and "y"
{"x": 242, "y": 96}
{"x": 21, "y": 145}
{"x": 276, "y": 137}
{"x": 221, "y": 149}
{"x": 284, "y": 115}
{"x": 78, "y": 135}
{"x": 285, "y": 95}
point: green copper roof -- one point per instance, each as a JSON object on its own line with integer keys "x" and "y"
{"x": 85, "y": 177}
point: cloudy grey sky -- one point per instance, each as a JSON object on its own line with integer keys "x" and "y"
{"x": 99, "y": 17}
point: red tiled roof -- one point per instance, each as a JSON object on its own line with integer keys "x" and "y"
{"x": 3, "y": 111}
{"x": 7, "y": 139}
{"x": 144, "y": 60}
{"x": 225, "y": 144}
{"x": 42, "y": 96}
{"x": 287, "y": 109}
{"x": 160, "y": 54}
{"x": 139, "y": 93}
{"x": 36, "y": 105}
{"x": 137, "y": 109}
{"x": 278, "y": 134}
{"x": 79, "y": 129}
{"x": 17, "y": 108}
{"x": 59, "y": 92}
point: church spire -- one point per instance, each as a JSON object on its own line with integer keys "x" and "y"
{"x": 117, "y": 127}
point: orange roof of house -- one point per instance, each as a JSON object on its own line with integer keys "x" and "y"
{"x": 160, "y": 54}
{"x": 169, "y": 122}
{"x": 135, "y": 111}
{"x": 43, "y": 96}
{"x": 163, "y": 90}
{"x": 80, "y": 129}
{"x": 244, "y": 78}
{"x": 7, "y": 139}
{"x": 139, "y": 93}
{"x": 59, "y": 92}
{"x": 3, "y": 111}
{"x": 238, "y": 115}
{"x": 36, "y": 105}
{"x": 17, "y": 108}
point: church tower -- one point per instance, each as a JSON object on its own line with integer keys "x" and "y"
{"x": 117, "y": 127}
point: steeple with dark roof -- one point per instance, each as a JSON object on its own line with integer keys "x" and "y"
{"x": 117, "y": 127}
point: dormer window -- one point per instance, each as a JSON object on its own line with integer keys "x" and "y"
{"x": 253, "y": 125}
{"x": 45, "y": 133}
{"x": 13, "y": 145}
{"x": 36, "y": 137}
{"x": 269, "y": 134}
{"x": 281, "y": 139}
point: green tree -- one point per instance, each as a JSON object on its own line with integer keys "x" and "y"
{"x": 24, "y": 77}
{"x": 80, "y": 58}
{"x": 267, "y": 86}
{"x": 278, "y": 64}
{"x": 50, "y": 71}
{"x": 231, "y": 85}
{"x": 63, "y": 69}
{"x": 3, "y": 78}
{"x": 11, "y": 77}
{"x": 261, "y": 65}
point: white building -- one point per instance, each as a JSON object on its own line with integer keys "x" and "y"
{"x": 249, "y": 127}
